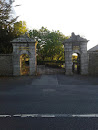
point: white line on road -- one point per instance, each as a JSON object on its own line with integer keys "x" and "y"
{"x": 5, "y": 115}
{"x": 52, "y": 115}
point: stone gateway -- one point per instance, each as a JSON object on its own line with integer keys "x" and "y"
{"x": 76, "y": 44}
{"x": 24, "y": 56}
{"x": 23, "y": 59}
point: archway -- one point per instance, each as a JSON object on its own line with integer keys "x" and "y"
{"x": 76, "y": 63}
{"x": 24, "y": 45}
{"x": 24, "y": 64}
{"x": 79, "y": 45}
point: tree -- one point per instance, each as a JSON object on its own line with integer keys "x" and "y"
{"x": 20, "y": 28}
{"x": 6, "y": 18}
{"x": 40, "y": 36}
{"x": 6, "y": 26}
{"x": 50, "y": 45}
{"x": 54, "y": 46}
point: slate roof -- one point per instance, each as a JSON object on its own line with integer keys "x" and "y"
{"x": 75, "y": 38}
{"x": 24, "y": 39}
{"x": 95, "y": 48}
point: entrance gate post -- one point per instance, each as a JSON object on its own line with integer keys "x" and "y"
{"x": 68, "y": 58}
{"x": 76, "y": 44}
{"x": 84, "y": 59}
{"x": 24, "y": 45}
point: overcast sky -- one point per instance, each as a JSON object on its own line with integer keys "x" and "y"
{"x": 79, "y": 16}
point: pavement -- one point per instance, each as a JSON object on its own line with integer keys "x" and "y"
{"x": 49, "y": 102}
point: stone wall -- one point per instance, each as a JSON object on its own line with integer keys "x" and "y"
{"x": 42, "y": 69}
{"x": 93, "y": 63}
{"x": 6, "y": 64}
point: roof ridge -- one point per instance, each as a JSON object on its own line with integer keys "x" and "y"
{"x": 94, "y": 48}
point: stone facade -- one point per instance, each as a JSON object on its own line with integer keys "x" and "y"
{"x": 93, "y": 60}
{"x": 6, "y": 65}
{"x": 10, "y": 63}
{"x": 24, "y": 45}
{"x": 93, "y": 63}
{"x": 76, "y": 44}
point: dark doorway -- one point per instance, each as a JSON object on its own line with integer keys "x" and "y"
{"x": 24, "y": 64}
{"x": 76, "y": 63}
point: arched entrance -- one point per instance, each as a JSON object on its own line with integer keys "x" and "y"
{"x": 24, "y": 56}
{"x": 76, "y": 63}
{"x": 24, "y": 64}
{"x": 79, "y": 45}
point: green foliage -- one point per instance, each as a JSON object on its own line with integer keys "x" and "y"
{"x": 74, "y": 58}
{"x": 6, "y": 23}
{"x": 9, "y": 28}
{"x": 6, "y": 18}
{"x": 49, "y": 45}
{"x": 20, "y": 28}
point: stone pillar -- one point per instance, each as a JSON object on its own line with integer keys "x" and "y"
{"x": 24, "y": 45}
{"x": 68, "y": 58}
{"x": 84, "y": 59}
{"x": 32, "y": 59}
{"x": 16, "y": 61}
{"x": 76, "y": 44}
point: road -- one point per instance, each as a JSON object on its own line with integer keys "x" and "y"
{"x": 54, "y": 99}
